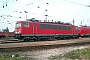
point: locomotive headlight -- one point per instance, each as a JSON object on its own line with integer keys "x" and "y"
{"x": 17, "y": 32}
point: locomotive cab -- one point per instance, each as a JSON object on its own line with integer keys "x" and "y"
{"x": 21, "y": 29}
{"x": 18, "y": 30}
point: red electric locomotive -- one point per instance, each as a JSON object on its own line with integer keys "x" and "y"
{"x": 36, "y": 30}
{"x": 84, "y": 31}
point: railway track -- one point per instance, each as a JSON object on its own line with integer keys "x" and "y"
{"x": 29, "y": 46}
{"x": 4, "y": 41}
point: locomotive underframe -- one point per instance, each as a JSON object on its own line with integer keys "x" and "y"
{"x": 41, "y": 37}
{"x": 85, "y": 35}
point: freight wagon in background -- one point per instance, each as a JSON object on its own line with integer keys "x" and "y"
{"x": 36, "y": 30}
{"x": 6, "y": 34}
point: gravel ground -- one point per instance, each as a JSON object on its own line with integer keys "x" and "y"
{"x": 44, "y": 54}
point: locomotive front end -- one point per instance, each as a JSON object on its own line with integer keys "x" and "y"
{"x": 18, "y": 30}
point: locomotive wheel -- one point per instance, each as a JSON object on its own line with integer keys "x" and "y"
{"x": 24, "y": 40}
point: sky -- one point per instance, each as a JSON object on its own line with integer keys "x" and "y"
{"x": 58, "y": 10}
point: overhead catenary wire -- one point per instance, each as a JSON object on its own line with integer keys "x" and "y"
{"x": 77, "y": 3}
{"x": 6, "y": 3}
{"x": 32, "y": 4}
{"x": 29, "y": 4}
{"x": 43, "y": 2}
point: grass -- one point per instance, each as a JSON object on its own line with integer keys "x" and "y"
{"x": 55, "y": 57}
{"x": 14, "y": 56}
{"x": 79, "y": 54}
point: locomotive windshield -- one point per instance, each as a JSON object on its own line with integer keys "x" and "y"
{"x": 18, "y": 25}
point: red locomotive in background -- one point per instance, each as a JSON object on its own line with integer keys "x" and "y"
{"x": 84, "y": 31}
{"x": 36, "y": 30}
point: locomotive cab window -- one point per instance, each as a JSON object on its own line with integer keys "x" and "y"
{"x": 18, "y": 25}
{"x": 26, "y": 24}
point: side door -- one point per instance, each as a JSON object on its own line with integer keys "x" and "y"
{"x": 34, "y": 28}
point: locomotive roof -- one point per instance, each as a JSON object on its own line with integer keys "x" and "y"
{"x": 48, "y": 22}
{"x": 33, "y": 20}
{"x": 84, "y": 26}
